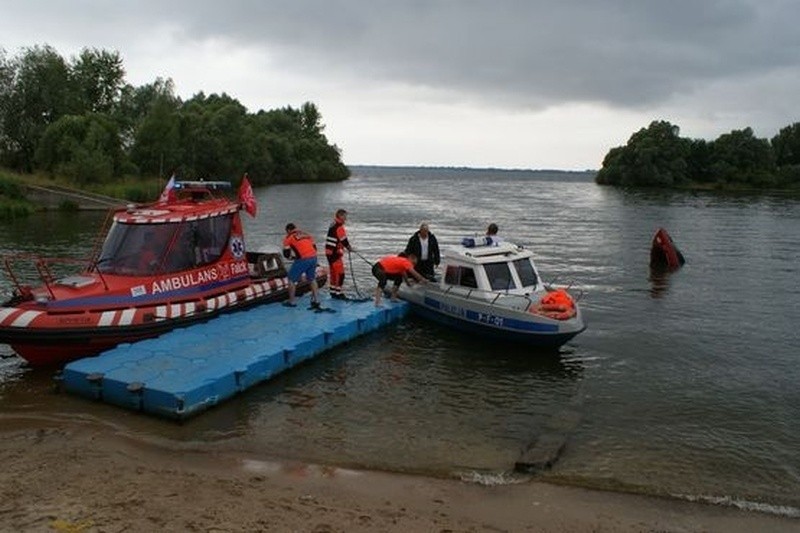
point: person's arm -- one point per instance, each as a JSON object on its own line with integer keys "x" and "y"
{"x": 410, "y": 245}
{"x": 287, "y": 250}
{"x": 342, "y": 236}
{"x": 419, "y": 277}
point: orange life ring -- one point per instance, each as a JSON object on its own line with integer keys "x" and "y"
{"x": 556, "y": 304}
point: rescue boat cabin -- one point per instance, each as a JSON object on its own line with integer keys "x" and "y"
{"x": 505, "y": 267}
{"x": 185, "y": 246}
{"x": 169, "y": 238}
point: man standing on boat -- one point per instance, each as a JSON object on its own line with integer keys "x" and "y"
{"x": 301, "y": 246}
{"x": 335, "y": 244}
{"x": 425, "y": 247}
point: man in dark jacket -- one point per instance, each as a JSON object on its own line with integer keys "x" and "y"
{"x": 424, "y": 246}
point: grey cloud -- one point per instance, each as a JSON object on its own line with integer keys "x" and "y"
{"x": 626, "y": 53}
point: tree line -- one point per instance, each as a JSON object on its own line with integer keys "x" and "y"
{"x": 80, "y": 119}
{"x": 657, "y": 156}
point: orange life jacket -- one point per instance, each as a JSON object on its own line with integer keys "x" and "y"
{"x": 301, "y": 244}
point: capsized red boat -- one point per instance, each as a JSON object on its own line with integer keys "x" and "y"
{"x": 164, "y": 265}
{"x": 663, "y": 252}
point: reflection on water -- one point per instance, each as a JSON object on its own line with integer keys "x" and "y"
{"x": 684, "y": 383}
{"x": 407, "y": 398}
{"x": 659, "y": 281}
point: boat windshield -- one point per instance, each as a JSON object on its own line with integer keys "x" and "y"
{"x": 146, "y": 249}
{"x": 527, "y": 274}
{"x": 499, "y": 275}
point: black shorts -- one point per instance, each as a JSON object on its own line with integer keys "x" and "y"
{"x": 382, "y": 277}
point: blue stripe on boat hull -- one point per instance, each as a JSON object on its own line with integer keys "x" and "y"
{"x": 530, "y": 333}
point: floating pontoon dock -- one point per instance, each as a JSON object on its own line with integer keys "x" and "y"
{"x": 186, "y": 371}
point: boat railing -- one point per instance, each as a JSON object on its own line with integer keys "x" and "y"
{"x": 47, "y": 269}
{"x": 576, "y": 290}
{"x": 513, "y": 300}
{"x": 506, "y": 299}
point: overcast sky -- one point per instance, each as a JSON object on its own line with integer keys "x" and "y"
{"x": 510, "y": 84}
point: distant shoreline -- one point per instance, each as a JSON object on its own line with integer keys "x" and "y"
{"x": 469, "y": 169}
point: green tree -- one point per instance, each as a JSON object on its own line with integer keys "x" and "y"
{"x": 699, "y": 161}
{"x": 97, "y": 79}
{"x": 741, "y": 158}
{"x": 36, "y": 97}
{"x": 311, "y": 120}
{"x": 83, "y": 120}
{"x": 84, "y": 148}
{"x": 211, "y": 127}
{"x": 6, "y": 88}
{"x": 655, "y": 156}
{"x": 157, "y": 144}
{"x": 136, "y": 103}
{"x": 786, "y": 145}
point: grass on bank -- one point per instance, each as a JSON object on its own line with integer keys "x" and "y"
{"x": 14, "y": 204}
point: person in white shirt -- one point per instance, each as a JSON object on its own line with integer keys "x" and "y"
{"x": 491, "y": 234}
{"x": 425, "y": 247}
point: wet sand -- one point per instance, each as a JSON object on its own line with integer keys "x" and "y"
{"x": 80, "y": 478}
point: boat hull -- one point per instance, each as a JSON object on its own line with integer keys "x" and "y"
{"x": 663, "y": 252}
{"x": 52, "y": 338}
{"x": 487, "y": 319}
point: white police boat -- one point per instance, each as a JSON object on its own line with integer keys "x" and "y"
{"x": 494, "y": 290}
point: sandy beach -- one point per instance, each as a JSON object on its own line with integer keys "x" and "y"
{"x": 84, "y": 478}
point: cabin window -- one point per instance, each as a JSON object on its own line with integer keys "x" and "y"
{"x": 499, "y": 276}
{"x": 461, "y": 276}
{"x": 211, "y": 236}
{"x": 468, "y": 278}
{"x": 527, "y": 275}
{"x": 198, "y": 243}
{"x": 451, "y": 275}
{"x": 134, "y": 249}
{"x": 145, "y": 249}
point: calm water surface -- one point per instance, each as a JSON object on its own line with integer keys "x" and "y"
{"x": 686, "y": 384}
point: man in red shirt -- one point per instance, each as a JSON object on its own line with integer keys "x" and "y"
{"x": 395, "y": 268}
{"x": 335, "y": 244}
{"x": 301, "y": 246}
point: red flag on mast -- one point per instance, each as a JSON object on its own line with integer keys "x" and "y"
{"x": 247, "y": 198}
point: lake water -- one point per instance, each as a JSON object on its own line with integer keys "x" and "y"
{"x": 685, "y": 384}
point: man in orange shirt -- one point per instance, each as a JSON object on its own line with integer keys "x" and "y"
{"x": 395, "y": 268}
{"x": 301, "y": 246}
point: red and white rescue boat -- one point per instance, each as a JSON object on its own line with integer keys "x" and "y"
{"x": 162, "y": 266}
